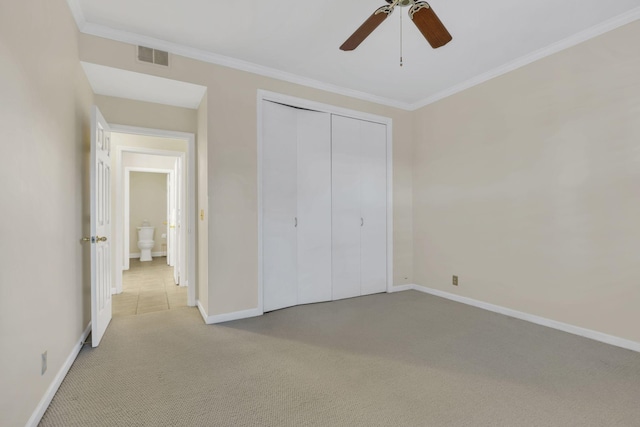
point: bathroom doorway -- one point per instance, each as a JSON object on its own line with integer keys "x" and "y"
{"x": 152, "y": 209}
{"x": 165, "y": 161}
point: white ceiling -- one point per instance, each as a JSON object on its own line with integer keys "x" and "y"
{"x": 142, "y": 87}
{"x": 299, "y": 41}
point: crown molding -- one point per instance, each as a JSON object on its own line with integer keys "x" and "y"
{"x": 597, "y": 30}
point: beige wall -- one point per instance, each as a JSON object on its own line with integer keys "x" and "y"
{"x": 144, "y": 141}
{"x": 148, "y": 195}
{"x": 45, "y": 102}
{"x": 528, "y": 188}
{"x": 147, "y": 114}
{"x": 231, "y": 157}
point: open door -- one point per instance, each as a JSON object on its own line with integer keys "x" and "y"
{"x": 100, "y": 195}
{"x": 178, "y": 236}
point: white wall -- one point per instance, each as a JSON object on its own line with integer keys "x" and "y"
{"x": 45, "y": 102}
{"x": 528, "y": 188}
{"x": 147, "y": 114}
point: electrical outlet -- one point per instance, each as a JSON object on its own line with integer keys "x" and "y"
{"x": 455, "y": 280}
{"x": 44, "y": 363}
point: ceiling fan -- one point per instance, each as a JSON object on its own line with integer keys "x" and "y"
{"x": 420, "y": 13}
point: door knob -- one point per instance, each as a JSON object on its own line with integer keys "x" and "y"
{"x": 86, "y": 239}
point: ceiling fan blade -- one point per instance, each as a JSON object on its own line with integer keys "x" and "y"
{"x": 429, "y": 24}
{"x": 367, "y": 28}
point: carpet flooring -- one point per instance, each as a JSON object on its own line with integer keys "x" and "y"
{"x": 403, "y": 359}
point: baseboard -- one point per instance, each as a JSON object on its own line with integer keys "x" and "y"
{"x": 55, "y": 385}
{"x": 202, "y": 311}
{"x": 137, "y": 255}
{"x": 401, "y": 288}
{"x": 227, "y": 317}
{"x": 565, "y": 327}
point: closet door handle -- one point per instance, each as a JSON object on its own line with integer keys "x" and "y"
{"x": 361, "y": 222}
{"x": 295, "y": 222}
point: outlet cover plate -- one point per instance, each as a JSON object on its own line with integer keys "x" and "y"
{"x": 455, "y": 280}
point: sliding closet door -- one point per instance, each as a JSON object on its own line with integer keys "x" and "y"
{"x": 373, "y": 204}
{"x": 314, "y": 206}
{"x": 346, "y": 215}
{"x": 279, "y": 204}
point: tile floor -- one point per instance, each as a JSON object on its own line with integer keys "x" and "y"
{"x": 148, "y": 287}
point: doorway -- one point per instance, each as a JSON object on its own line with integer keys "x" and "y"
{"x": 170, "y": 158}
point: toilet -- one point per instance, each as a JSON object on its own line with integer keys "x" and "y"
{"x": 145, "y": 240}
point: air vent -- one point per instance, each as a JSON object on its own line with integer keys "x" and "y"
{"x": 153, "y": 56}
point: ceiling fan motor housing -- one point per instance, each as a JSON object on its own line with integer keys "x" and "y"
{"x": 403, "y": 3}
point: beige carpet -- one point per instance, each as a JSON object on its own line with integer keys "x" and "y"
{"x": 405, "y": 359}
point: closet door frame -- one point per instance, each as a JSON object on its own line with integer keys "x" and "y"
{"x": 263, "y": 96}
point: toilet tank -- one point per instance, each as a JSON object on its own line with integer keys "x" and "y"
{"x": 145, "y": 233}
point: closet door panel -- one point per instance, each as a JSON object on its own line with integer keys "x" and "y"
{"x": 314, "y": 207}
{"x": 374, "y": 208}
{"x": 345, "y": 153}
{"x": 279, "y": 204}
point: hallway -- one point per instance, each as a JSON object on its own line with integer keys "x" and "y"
{"x": 148, "y": 287}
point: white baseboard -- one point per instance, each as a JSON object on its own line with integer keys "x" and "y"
{"x": 55, "y": 385}
{"x": 227, "y": 317}
{"x": 565, "y": 327}
{"x": 203, "y": 312}
{"x": 137, "y": 255}
{"x": 401, "y": 288}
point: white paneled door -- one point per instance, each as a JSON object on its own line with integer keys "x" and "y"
{"x": 100, "y": 239}
{"x": 373, "y": 205}
{"x": 296, "y": 201}
{"x": 279, "y": 207}
{"x": 314, "y": 206}
{"x": 359, "y": 187}
{"x": 324, "y": 206}
{"x": 347, "y": 216}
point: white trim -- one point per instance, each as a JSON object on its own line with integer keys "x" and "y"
{"x": 55, "y": 385}
{"x": 260, "y": 203}
{"x": 401, "y": 288}
{"x": 582, "y": 36}
{"x": 227, "y": 317}
{"x": 554, "y": 324}
{"x": 202, "y": 311}
{"x": 264, "y": 95}
{"x": 389, "y": 205}
{"x": 191, "y": 199}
